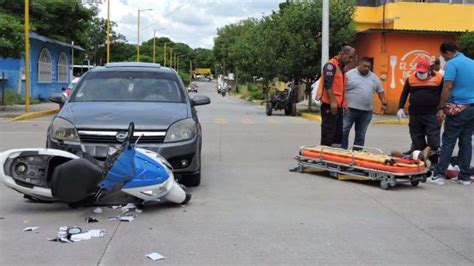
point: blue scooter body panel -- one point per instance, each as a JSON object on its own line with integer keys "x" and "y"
{"x": 134, "y": 169}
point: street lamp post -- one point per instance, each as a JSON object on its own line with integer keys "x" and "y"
{"x": 138, "y": 32}
{"x": 27, "y": 56}
{"x": 108, "y": 31}
{"x": 154, "y": 43}
{"x": 325, "y": 34}
{"x": 164, "y": 55}
{"x": 171, "y": 57}
{"x": 177, "y": 63}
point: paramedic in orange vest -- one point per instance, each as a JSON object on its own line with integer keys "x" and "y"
{"x": 424, "y": 88}
{"x": 331, "y": 92}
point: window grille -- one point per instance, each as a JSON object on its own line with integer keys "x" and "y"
{"x": 63, "y": 68}
{"x": 44, "y": 66}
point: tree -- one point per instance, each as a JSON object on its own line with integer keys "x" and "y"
{"x": 63, "y": 20}
{"x": 285, "y": 44}
{"x": 96, "y": 36}
{"x": 466, "y": 43}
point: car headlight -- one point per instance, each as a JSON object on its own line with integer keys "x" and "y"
{"x": 181, "y": 130}
{"x": 64, "y": 130}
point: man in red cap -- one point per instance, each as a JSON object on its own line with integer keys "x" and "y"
{"x": 424, "y": 88}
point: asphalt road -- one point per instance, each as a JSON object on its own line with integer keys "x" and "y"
{"x": 250, "y": 209}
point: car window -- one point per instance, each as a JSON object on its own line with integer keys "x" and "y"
{"x": 127, "y": 86}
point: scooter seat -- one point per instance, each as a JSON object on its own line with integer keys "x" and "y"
{"x": 74, "y": 180}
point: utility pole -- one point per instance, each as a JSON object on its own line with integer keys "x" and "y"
{"x": 138, "y": 32}
{"x": 108, "y": 31}
{"x": 190, "y": 70}
{"x": 27, "y": 56}
{"x": 325, "y": 37}
{"x": 154, "y": 44}
{"x": 171, "y": 57}
{"x": 164, "y": 56}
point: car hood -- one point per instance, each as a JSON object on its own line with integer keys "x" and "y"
{"x": 117, "y": 115}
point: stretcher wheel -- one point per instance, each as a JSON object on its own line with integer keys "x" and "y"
{"x": 384, "y": 184}
{"x": 415, "y": 183}
{"x": 300, "y": 169}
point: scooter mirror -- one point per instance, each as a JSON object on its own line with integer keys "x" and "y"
{"x": 58, "y": 98}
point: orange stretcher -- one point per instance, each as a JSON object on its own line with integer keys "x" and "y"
{"x": 362, "y": 165}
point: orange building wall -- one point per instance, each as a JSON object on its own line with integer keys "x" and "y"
{"x": 396, "y": 58}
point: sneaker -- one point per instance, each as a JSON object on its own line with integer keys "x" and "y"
{"x": 463, "y": 182}
{"x": 436, "y": 180}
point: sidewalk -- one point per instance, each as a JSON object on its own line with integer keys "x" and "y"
{"x": 302, "y": 108}
{"x": 36, "y": 110}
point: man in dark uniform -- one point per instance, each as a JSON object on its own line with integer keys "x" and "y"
{"x": 424, "y": 88}
{"x": 331, "y": 92}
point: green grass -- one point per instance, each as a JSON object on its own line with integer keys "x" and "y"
{"x": 11, "y": 98}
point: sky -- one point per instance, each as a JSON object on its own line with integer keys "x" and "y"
{"x": 194, "y": 22}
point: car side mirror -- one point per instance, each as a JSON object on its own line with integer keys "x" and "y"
{"x": 200, "y": 100}
{"x": 58, "y": 98}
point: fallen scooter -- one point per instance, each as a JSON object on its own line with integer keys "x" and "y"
{"x": 50, "y": 175}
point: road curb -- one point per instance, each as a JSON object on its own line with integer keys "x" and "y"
{"x": 309, "y": 116}
{"x": 391, "y": 122}
{"x": 34, "y": 115}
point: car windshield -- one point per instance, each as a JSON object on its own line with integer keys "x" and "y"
{"x": 128, "y": 86}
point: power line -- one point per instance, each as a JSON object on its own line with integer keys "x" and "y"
{"x": 170, "y": 13}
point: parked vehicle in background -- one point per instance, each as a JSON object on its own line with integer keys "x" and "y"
{"x": 282, "y": 100}
{"x": 108, "y": 98}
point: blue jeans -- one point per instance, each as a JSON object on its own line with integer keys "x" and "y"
{"x": 361, "y": 119}
{"x": 460, "y": 126}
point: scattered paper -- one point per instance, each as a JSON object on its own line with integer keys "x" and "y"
{"x": 127, "y": 218}
{"x": 155, "y": 256}
{"x": 32, "y": 228}
{"x": 124, "y": 218}
{"x": 129, "y": 207}
{"x": 97, "y": 232}
{"x": 81, "y": 236}
{"x": 98, "y": 210}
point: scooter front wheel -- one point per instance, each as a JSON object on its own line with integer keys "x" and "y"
{"x": 177, "y": 194}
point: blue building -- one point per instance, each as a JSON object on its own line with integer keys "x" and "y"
{"x": 50, "y": 67}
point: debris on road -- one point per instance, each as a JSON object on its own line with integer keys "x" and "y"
{"x": 98, "y": 210}
{"x": 122, "y": 218}
{"x": 31, "y": 228}
{"x": 91, "y": 220}
{"x": 88, "y": 235}
{"x": 75, "y": 234}
{"x": 155, "y": 256}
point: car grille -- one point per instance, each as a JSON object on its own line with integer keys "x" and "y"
{"x": 109, "y": 137}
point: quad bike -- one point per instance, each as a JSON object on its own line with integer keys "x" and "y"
{"x": 282, "y": 100}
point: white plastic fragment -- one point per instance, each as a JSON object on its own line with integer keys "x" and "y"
{"x": 155, "y": 256}
{"x": 98, "y": 210}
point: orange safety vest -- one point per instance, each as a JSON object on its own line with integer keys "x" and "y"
{"x": 338, "y": 85}
{"x": 432, "y": 81}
